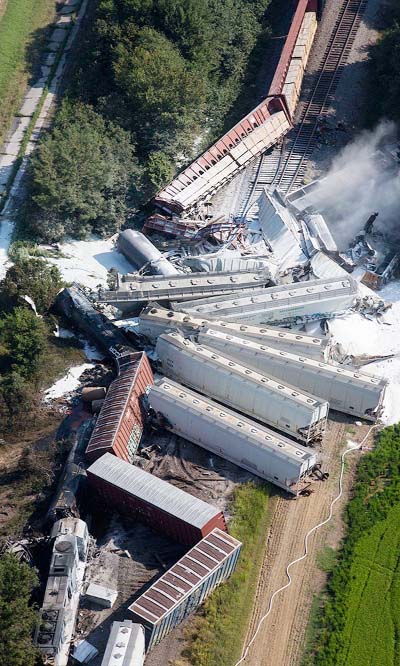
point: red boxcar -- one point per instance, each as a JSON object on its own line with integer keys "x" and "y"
{"x": 159, "y": 504}
{"x": 119, "y": 426}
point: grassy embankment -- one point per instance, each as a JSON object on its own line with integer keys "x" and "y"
{"x": 218, "y": 634}
{"x": 358, "y": 619}
{"x": 21, "y": 38}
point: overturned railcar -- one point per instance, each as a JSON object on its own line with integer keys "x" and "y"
{"x": 233, "y": 437}
{"x": 350, "y": 391}
{"x": 155, "y": 320}
{"x": 135, "y": 292}
{"x": 159, "y": 504}
{"x": 272, "y": 402}
{"x": 186, "y": 585}
{"x": 287, "y": 303}
{"x": 120, "y": 423}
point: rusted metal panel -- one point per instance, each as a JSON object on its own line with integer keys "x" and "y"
{"x": 121, "y": 419}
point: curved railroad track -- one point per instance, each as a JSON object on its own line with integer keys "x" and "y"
{"x": 285, "y": 166}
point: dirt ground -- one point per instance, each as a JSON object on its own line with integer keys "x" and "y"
{"x": 281, "y": 638}
{"x": 3, "y": 5}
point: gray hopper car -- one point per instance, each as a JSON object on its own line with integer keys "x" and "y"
{"x": 136, "y": 292}
{"x": 154, "y": 321}
{"x": 267, "y": 400}
{"x": 232, "y": 436}
{"x": 287, "y": 303}
{"x": 350, "y": 391}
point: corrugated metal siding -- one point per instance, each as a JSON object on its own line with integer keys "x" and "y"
{"x": 231, "y": 436}
{"x": 120, "y": 423}
{"x": 233, "y": 384}
{"x": 185, "y": 586}
{"x": 159, "y": 504}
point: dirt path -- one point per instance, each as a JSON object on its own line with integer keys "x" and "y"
{"x": 281, "y": 638}
{"x": 3, "y": 5}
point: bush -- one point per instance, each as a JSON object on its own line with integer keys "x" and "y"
{"x": 30, "y": 277}
{"x": 22, "y": 341}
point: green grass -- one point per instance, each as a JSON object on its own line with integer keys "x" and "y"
{"x": 220, "y": 631}
{"x": 21, "y": 39}
{"x": 326, "y": 559}
{"x": 371, "y": 632}
{"x": 358, "y": 623}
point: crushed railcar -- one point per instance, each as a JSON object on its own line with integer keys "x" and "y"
{"x": 154, "y": 321}
{"x": 284, "y": 304}
{"x": 272, "y": 402}
{"x": 135, "y": 292}
{"x": 159, "y": 504}
{"x": 347, "y": 390}
{"x": 231, "y": 436}
{"x": 185, "y": 586}
{"x": 121, "y": 420}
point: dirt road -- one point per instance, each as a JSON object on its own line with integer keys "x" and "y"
{"x": 281, "y": 638}
{"x": 3, "y": 5}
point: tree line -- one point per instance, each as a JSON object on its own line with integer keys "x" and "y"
{"x": 152, "y": 76}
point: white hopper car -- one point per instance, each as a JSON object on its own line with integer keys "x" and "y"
{"x": 267, "y": 400}
{"x": 134, "y": 292}
{"x": 347, "y": 390}
{"x": 290, "y": 303}
{"x": 154, "y": 321}
{"x": 232, "y": 436}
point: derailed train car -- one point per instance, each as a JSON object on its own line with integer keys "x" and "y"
{"x": 135, "y": 292}
{"x": 159, "y": 504}
{"x": 154, "y": 321}
{"x": 120, "y": 423}
{"x": 287, "y": 303}
{"x": 267, "y": 400}
{"x": 257, "y": 131}
{"x": 233, "y": 437}
{"x": 186, "y": 585}
{"x": 350, "y": 391}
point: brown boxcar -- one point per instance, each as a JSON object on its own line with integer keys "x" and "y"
{"x": 159, "y": 504}
{"x": 185, "y": 586}
{"x": 119, "y": 426}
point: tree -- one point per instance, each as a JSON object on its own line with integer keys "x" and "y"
{"x": 159, "y": 170}
{"x": 22, "y": 338}
{"x": 30, "y": 277}
{"x": 17, "y": 617}
{"x": 81, "y": 175}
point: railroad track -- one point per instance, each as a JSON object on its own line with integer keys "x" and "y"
{"x": 285, "y": 166}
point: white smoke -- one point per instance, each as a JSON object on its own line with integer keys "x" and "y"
{"x": 362, "y": 181}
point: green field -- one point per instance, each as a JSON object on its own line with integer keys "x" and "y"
{"x": 371, "y": 635}
{"x": 21, "y": 37}
{"x": 358, "y": 622}
{"x": 218, "y": 635}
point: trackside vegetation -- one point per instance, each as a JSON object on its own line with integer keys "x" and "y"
{"x": 384, "y": 78}
{"x": 17, "y": 616}
{"x": 219, "y": 632}
{"x": 21, "y": 37}
{"x": 153, "y": 80}
{"x": 359, "y": 621}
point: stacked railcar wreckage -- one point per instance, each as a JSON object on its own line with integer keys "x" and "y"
{"x": 350, "y": 391}
{"x": 154, "y": 321}
{"x": 272, "y": 402}
{"x": 284, "y": 304}
{"x": 230, "y": 435}
{"x": 135, "y": 292}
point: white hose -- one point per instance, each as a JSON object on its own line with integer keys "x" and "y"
{"x": 311, "y": 531}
